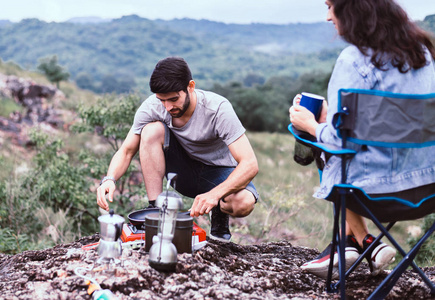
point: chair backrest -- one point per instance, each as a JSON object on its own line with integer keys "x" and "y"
{"x": 385, "y": 119}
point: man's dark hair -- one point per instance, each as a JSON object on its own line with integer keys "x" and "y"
{"x": 384, "y": 27}
{"x": 171, "y": 74}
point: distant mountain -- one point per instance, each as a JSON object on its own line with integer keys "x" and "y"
{"x": 129, "y": 47}
{"x": 5, "y": 22}
{"x": 290, "y": 38}
{"x": 88, "y": 20}
{"x": 428, "y": 23}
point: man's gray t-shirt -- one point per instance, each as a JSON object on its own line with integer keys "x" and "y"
{"x": 213, "y": 126}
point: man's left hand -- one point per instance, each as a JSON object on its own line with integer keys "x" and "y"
{"x": 203, "y": 204}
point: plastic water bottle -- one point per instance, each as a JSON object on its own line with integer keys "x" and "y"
{"x": 103, "y": 295}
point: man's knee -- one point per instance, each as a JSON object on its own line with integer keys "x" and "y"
{"x": 152, "y": 133}
{"x": 239, "y": 205}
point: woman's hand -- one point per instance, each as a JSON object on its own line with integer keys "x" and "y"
{"x": 302, "y": 118}
{"x": 323, "y": 112}
{"x": 297, "y": 99}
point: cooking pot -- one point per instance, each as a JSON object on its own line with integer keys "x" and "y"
{"x": 137, "y": 218}
{"x": 182, "y": 236}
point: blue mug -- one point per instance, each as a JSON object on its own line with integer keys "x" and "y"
{"x": 313, "y": 103}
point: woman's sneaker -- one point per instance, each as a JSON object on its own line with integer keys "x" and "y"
{"x": 380, "y": 257}
{"x": 319, "y": 266}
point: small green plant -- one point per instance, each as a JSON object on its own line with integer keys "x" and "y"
{"x": 7, "y": 106}
{"x": 58, "y": 226}
{"x": 426, "y": 256}
{"x": 10, "y": 68}
{"x": 11, "y": 243}
{"x": 276, "y": 208}
{"x": 17, "y": 216}
{"x": 111, "y": 118}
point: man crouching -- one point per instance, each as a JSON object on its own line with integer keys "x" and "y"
{"x": 196, "y": 134}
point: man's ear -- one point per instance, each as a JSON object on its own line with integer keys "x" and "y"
{"x": 191, "y": 85}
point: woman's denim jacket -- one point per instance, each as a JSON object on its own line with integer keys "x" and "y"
{"x": 376, "y": 170}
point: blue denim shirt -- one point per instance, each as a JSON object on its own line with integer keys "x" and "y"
{"x": 376, "y": 170}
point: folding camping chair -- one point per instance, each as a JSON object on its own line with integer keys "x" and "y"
{"x": 413, "y": 129}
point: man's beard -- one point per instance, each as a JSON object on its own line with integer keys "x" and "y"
{"x": 183, "y": 109}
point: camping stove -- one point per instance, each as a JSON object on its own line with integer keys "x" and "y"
{"x": 133, "y": 238}
{"x": 162, "y": 227}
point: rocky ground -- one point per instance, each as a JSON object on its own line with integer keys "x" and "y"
{"x": 217, "y": 271}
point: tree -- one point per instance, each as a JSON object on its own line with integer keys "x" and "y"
{"x": 253, "y": 79}
{"x": 109, "y": 84}
{"x": 85, "y": 81}
{"x": 52, "y": 70}
{"x": 120, "y": 84}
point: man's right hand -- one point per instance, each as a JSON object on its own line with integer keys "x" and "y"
{"x": 108, "y": 187}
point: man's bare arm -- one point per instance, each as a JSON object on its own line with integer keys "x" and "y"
{"x": 118, "y": 166}
{"x": 245, "y": 171}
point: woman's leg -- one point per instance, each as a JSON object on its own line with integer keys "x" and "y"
{"x": 356, "y": 226}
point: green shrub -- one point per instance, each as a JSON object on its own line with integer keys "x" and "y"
{"x": 111, "y": 118}
{"x": 11, "y": 243}
{"x": 7, "y": 106}
{"x": 426, "y": 256}
{"x": 62, "y": 185}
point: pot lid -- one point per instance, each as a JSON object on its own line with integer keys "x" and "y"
{"x": 174, "y": 200}
{"x": 111, "y": 218}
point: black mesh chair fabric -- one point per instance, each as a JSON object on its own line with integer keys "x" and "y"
{"x": 387, "y": 207}
{"x": 395, "y": 120}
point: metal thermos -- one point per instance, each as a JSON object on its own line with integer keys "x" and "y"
{"x": 163, "y": 253}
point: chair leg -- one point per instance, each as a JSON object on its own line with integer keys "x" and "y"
{"x": 393, "y": 241}
{"x": 363, "y": 255}
{"x": 387, "y": 284}
{"x": 401, "y": 251}
{"x": 408, "y": 256}
{"x": 338, "y": 242}
{"x": 330, "y": 288}
{"x": 341, "y": 251}
{"x": 408, "y": 259}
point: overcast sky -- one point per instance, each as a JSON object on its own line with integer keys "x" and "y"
{"x": 228, "y": 11}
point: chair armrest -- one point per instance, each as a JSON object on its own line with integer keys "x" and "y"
{"x": 310, "y": 140}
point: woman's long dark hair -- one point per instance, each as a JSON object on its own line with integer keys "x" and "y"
{"x": 384, "y": 27}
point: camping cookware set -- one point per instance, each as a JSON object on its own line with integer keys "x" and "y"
{"x": 167, "y": 231}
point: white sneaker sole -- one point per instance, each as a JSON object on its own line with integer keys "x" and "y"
{"x": 383, "y": 256}
{"x": 321, "y": 268}
{"x": 219, "y": 239}
{"x": 215, "y": 237}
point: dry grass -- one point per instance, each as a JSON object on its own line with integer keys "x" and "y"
{"x": 286, "y": 208}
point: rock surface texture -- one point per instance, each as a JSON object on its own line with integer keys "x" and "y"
{"x": 216, "y": 271}
{"x": 40, "y": 108}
